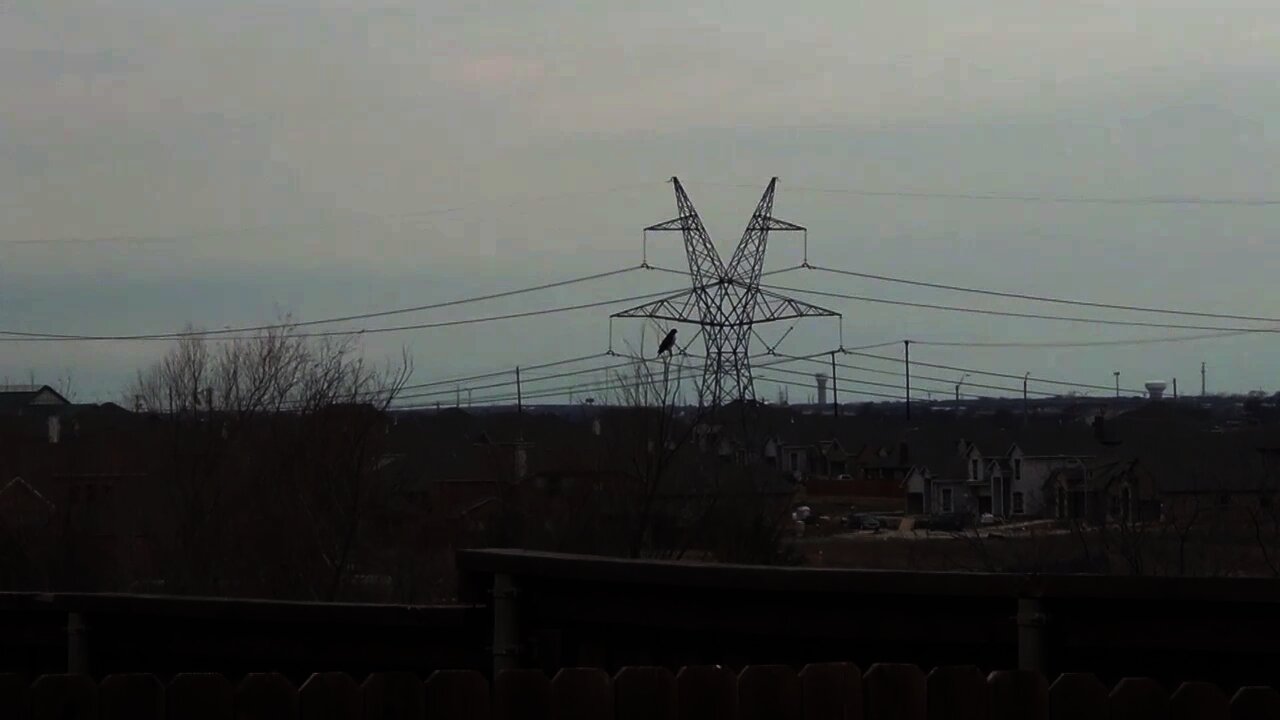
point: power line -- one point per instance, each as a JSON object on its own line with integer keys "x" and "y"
{"x": 945, "y": 381}
{"x": 1033, "y": 198}
{"x": 938, "y": 366}
{"x": 682, "y": 373}
{"x": 1032, "y": 316}
{"x": 793, "y": 383}
{"x": 507, "y": 371}
{"x": 508, "y": 383}
{"x": 366, "y": 331}
{"x": 845, "y": 379}
{"x": 15, "y": 334}
{"x": 1079, "y": 343}
{"x": 1015, "y": 344}
{"x": 1044, "y": 298}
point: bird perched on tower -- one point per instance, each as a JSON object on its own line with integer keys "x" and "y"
{"x": 668, "y": 342}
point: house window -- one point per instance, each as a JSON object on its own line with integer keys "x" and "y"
{"x": 1224, "y": 499}
{"x": 946, "y": 500}
{"x": 1017, "y": 469}
{"x": 1018, "y": 507}
{"x": 795, "y": 461}
{"x": 973, "y": 469}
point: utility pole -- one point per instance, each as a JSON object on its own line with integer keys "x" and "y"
{"x": 906, "y": 365}
{"x": 1175, "y": 388}
{"x": 519, "y": 395}
{"x": 1024, "y": 396}
{"x": 835, "y": 391}
{"x": 1117, "y": 374}
{"x": 1201, "y": 379}
{"x": 520, "y": 411}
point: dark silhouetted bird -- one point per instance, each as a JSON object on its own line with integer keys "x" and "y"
{"x": 668, "y": 342}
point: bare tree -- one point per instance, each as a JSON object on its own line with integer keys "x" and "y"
{"x": 269, "y": 462}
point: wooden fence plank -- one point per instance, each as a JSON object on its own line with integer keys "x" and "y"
{"x": 1254, "y": 702}
{"x": 15, "y": 691}
{"x": 200, "y": 696}
{"x": 330, "y": 696}
{"x": 581, "y": 694}
{"x": 130, "y": 697}
{"x": 707, "y": 692}
{"x": 64, "y": 697}
{"x": 1018, "y": 695}
{"x": 521, "y": 695}
{"x": 266, "y": 696}
{"x": 458, "y": 695}
{"x": 894, "y": 691}
{"x": 1139, "y": 699}
{"x": 644, "y": 693}
{"x": 1077, "y": 696}
{"x": 394, "y": 696}
{"x": 1198, "y": 701}
{"x": 956, "y": 692}
{"x": 769, "y": 692}
{"x": 831, "y": 691}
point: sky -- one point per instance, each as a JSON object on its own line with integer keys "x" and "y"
{"x": 220, "y": 163}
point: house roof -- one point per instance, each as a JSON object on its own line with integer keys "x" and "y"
{"x": 17, "y": 483}
{"x": 14, "y": 398}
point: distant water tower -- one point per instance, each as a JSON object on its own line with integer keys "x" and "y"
{"x": 1155, "y": 389}
{"x": 822, "y": 389}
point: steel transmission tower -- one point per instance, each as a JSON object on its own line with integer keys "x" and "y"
{"x": 725, "y": 302}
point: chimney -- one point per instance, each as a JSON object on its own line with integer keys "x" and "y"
{"x": 55, "y": 429}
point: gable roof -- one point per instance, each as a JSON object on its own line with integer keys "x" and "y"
{"x": 13, "y": 398}
{"x": 19, "y": 483}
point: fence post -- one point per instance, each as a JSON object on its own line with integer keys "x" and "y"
{"x": 1031, "y": 622}
{"x": 506, "y": 630}
{"x": 77, "y": 644}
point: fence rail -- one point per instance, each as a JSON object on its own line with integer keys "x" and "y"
{"x": 829, "y": 691}
{"x": 553, "y": 610}
{"x": 101, "y": 634}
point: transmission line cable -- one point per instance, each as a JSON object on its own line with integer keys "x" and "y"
{"x": 1044, "y": 298}
{"x": 344, "y": 318}
{"x": 358, "y": 331}
{"x": 1009, "y": 313}
{"x": 1032, "y": 198}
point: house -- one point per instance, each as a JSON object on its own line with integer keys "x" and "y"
{"x": 23, "y": 507}
{"x": 1101, "y": 492}
{"x": 1007, "y": 484}
{"x": 17, "y": 399}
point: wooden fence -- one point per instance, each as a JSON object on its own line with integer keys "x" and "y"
{"x": 830, "y": 691}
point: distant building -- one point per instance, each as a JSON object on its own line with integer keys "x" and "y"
{"x": 15, "y": 399}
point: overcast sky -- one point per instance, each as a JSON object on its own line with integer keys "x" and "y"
{"x": 219, "y": 162}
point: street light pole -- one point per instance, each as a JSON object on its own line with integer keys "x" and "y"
{"x": 958, "y": 384}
